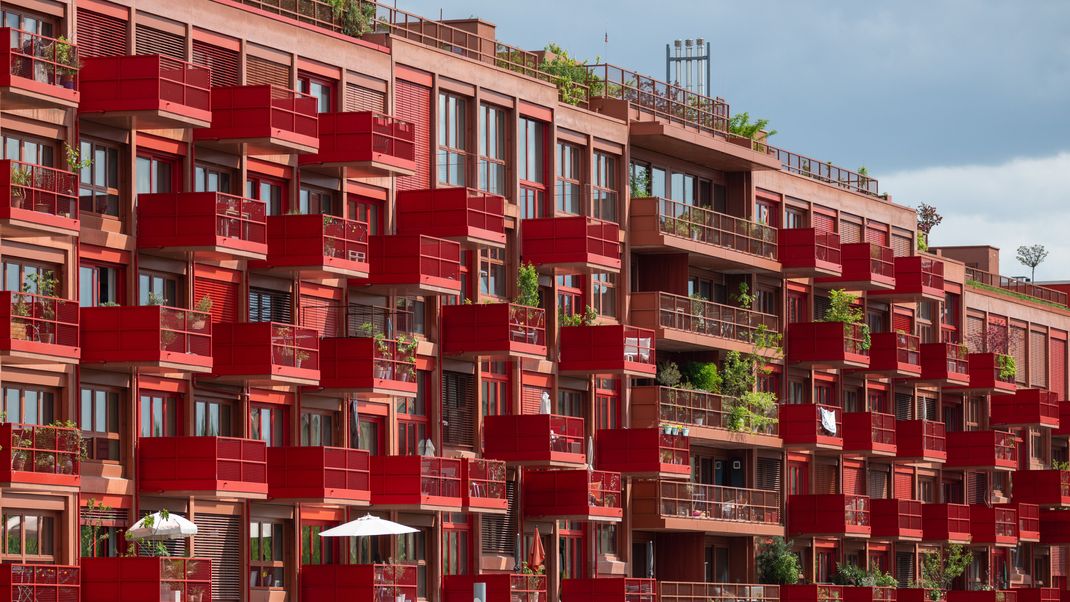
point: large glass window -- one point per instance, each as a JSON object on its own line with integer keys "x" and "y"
{"x": 492, "y": 149}
{"x": 154, "y": 173}
{"x": 318, "y": 201}
{"x": 156, "y": 288}
{"x": 267, "y": 567}
{"x": 317, "y": 428}
{"x": 98, "y": 284}
{"x": 28, "y": 150}
{"x": 29, "y": 405}
{"x": 29, "y": 536}
{"x": 494, "y": 393}
{"x": 413, "y": 422}
{"x": 604, "y": 293}
{"x": 531, "y": 151}
{"x": 210, "y": 178}
{"x": 267, "y": 305}
{"x": 100, "y": 422}
{"x": 568, "y": 178}
{"x": 158, "y": 415}
{"x": 268, "y": 423}
{"x": 213, "y": 418}
{"x": 99, "y": 180}
{"x": 268, "y": 190}
{"x": 492, "y": 272}
{"x": 604, "y": 190}
{"x": 319, "y": 88}
{"x": 36, "y": 278}
{"x": 452, "y": 148}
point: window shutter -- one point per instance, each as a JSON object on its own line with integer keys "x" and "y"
{"x": 413, "y": 104}
{"x": 458, "y": 401}
{"x": 975, "y": 334}
{"x": 219, "y": 538}
{"x": 821, "y": 305}
{"x": 904, "y": 568}
{"x": 877, "y": 234}
{"x": 769, "y": 474}
{"x": 224, "y": 63}
{"x": 267, "y": 305}
{"x": 101, "y": 35}
{"x": 904, "y": 406}
{"x": 904, "y": 321}
{"x": 901, "y": 246}
{"x": 1038, "y": 359}
{"x": 976, "y": 487}
{"x": 259, "y": 71}
{"x": 154, "y": 41}
{"x": 1017, "y": 343}
{"x": 359, "y": 98}
{"x": 928, "y": 407}
{"x": 904, "y": 484}
{"x": 531, "y": 399}
{"x": 323, "y": 311}
{"x": 825, "y": 478}
{"x": 854, "y": 481}
{"x": 1057, "y": 359}
{"x": 106, "y": 517}
{"x": 499, "y": 531}
{"x": 223, "y": 287}
{"x": 877, "y": 482}
{"x": 823, "y": 222}
{"x": 1058, "y": 561}
{"x": 850, "y": 232}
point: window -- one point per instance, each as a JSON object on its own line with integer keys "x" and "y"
{"x": 569, "y": 403}
{"x": 208, "y": 178}
{"x": 569, "y": 294}
{"x": 28, "y": 22}
{"x": 316, "y": 549}
{"x": 317, "y": 428}
{"x": 571, "y": 552}
{"x": 268, "y": 190}
{"x": 568, "y": 178}
{"x": 604, "y": 293}
{"x": 158, "y": 415}
{"x": 492, "y": 149}
{"x": 412, "y": 313}
{"x": 638, "y": 175}
{"x": 767, "y": 212}
{"x": 29, "y": 405}
{"x": 99, "y": 181}
{"x": 319, "y": 88}
{"x": 154, "y": 173}
{"x": 268, "y": 423}
{"x": 682, "y": 188}
{"x": 413, "y": 423}
{"x": 456, "y": 538}
{"x": 412, "y": 550}
{"x": 318, "y": 201}
{"x": 212, "y": 418}
{"x": 98, "y": 284}
{"x": 607, "y": 539}
{"x": 99, "y": 420}
{"x": 794, "y": 217}
{"x": 21, "y": 275}
{"x": 698, "y": 286}
{"x": 266, "y": 555}
{"x": 369, "y": 211}
{"x": 29, "y": 536}
{"x": 267, "y": 305}
{"x": 27, "y": 150}
{"x": 606, "y": 403}
{"x": 767, "y": 301}
{"x": 604, "y": 190}
{"x": 369, "y": 435}
{"x": 492, "y": 272}
{"x": 531, "y": 167}
{"x": 494, "y": 391}
{"x": 452, "y": 149}
{"x": 156, "y": 288}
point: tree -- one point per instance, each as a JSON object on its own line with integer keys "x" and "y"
{"x": 939, "y": 569}
{"x": 928, "y": 219}
{"x": 1031, "y": 256}
{"x": 777, "y": 564}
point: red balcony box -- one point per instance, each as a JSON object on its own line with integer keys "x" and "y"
{"x": 866, "y": 267}
{"x": 494, "y": 329}
{"x": 705, "y": 414}
{"x": 417, "y": 483}
{"x": 212, "y": 224}
{"x": 896, "y": 519}
{"x": 894, "y": 355}
{"x": 1028, "y": 520}
{"x": 1003, "y": 595}
{"x": 484, "y": 486}
{"x": 607, "y": 349}
{"x": 35, "y": 199}
{"x": 148, "y": 337}
{"x": 645, "y": 452}
{"x": 146, "y": 92}
{"x": 219, "y": 466}
{"x": 1054, "y": 527}
{"x": 133, "y": 578}
{"x": 827, "y": 345}
{"x": 993, "y": 525}
{"x": 365, "y": 144}
{"x": 413, "y": 265}
{"x": 609, "y": 589}
{"x": 572, "y": 495}
{"x": 319, "y": 475}
{"x": 262, "y": 120}
{"x": 982, "y": 449}
{"x": 38, "y": 71}
{"x": 985, "y": 375}
{"x": 1064, "y": 420}
{"x": 917, "y": 278}
{"x": 358, "y": 582}
{"x": 42, "y": 582}
{"x": 464, "y": 215}
{"x": 571, "y": 242}
{"x": 1037, "y": 594}
{"x": 948, "y": 523}
{"x": 40, "y": 455}
{"x": 680, "y": 505}
{"x": 368, "y": 365}
{"x": 266, "y": 353}
{"x": 500, "y": 587}
{"x": 684, "y": 324}
{"x": 1026, "y": 407}
{"x": 686, "y": 591}
{"x": 829, "y": 514}
{"x": 913, "y": 594}
{"x": 944, "y": 365}
{"x": 316, "y": 245}
{"x": 1047, "y": 488}
{"x": 921, "y": 441}
{"x": 811, "y": 593}
{"x": 808, "y": 252}
{"x": 34, "y": 328}
{"x": 869, "y": 594}
{"x": 869, "y": 433}
{"x": 535, "y": 440}
{"x": 811, "y": 425}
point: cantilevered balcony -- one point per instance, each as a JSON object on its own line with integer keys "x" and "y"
{"x": 684, "y": 324}
{"x": 832, "y": 345}
{"x": 809, "y": 252}
{"x": 145, "y": 92}
{"x": 266, "y": 353}
{"x": 319, "y": 475}
{"x": 917, "y": 278}
{"x": 835, "y": 593}
{"x": 648, "y": 452}
{"x": 992, "y": 450}
{"x": 606, "y": 349}
{"x": 316, "y": 246}
{"x": 714, "y": 240}
{"x": 121, "y": 578}
{"x": 576, "y": 242}
{"x": 41, "y": 582}
{"x": 1026, "y": 407}
{"x": 46, "y": 456}
{"x": 583, "y": 495}
{"x": 921, "y": 441}
{"x": 498, "y": 587}
{"x": 812, "y": 426}
{"x": 494, "y": 329}
{"x": 894, "y": 355}
{"x": 417, "y": 483}
{"x": 35, "y": 329}
{"x": 993, "y": 525}
{"x": 945, "y": 365}
{"x": 262, "y": 120}
{"x": 210, "y": 225}
{"x": 836, "y": 515}
{"x": 484, "y": 486}
{"x": 149, "y": 337}
{"x": 1028, "y": 520}
{"x": 366, "y": 364}
{"x": 866, "y": 266}
{"x": 946, "y": 523}
{"x": 896, "y": 519}
{"x": 364, "y": 145}
{"x": 37, "y": 71}
{"x": 609, "y": 589}
{"x": 543, "y": 440}
{"x": 413, "y": 265}
{"x": 962, "y": 595}
{"x": 37, "y": 200}
{"x": 465, "y": 215}
{"x": 869, "y": 433}
{"x": 988, "y": 376}
{"x": 675, "y": 505}
{"x": 1036, "y": 594}
{"x": 685, "y": 591}
{"x": 203, "y": 466}
{"x": 706, "y": 415}
{"x": 1046, "y": 488}
{"x": 358, "y": 582}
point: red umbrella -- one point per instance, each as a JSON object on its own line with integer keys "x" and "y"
{"x": 538, "y": 555}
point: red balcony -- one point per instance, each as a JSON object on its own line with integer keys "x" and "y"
{"x": 34, "y": 328}
{"x": 316, "y": 245}
{"x": 210, "y": 224}
{"x": 986, "y": 375}
{"x": 835, "y": 593}
{"x": 894, "y": 355}
{"x": 609, "y": 589}
{"x": 829, "y": 514}
{"x": 494, "y": 329}
{"x": 643, "y": 452}
{"x": 982, "y": 449}
{"x": 214, "y": 466}
{"x": 484, "y": 486}
{"x": 145, "y": 578}
{"x": 266, "y": 353}
{"x": 571, "y": 242}
{"x": 146, "y": 92}
{"x": 369, "y": 365}
{"x": 39, "y": 72}
{"x": 684, "y": 324}
{"x": 812, "y": 425}
{"x": 866, "y": 267}
{"x": 40, "y": 455}
{"x": 1054, "y": 527}
{"x": 993, "y": 525}
{"x": 869, "y": 433}
{"x": 572, "y": 495}
{"x": 535, "y": 440}
{"x": 945, "y": 365}
{"x": 37, "y": 200}
{"x": 500, "y": 587}
{"x": 607, "y": 349}
{"x": 413, "y": 265}
{"x": 896, "y": 519}
{"x": 1028, "y": 520}
{"x": 917, "y": 278}
{"x": 262, "y": 120}
{"x": 1026, "y": 407}
{"x": 948, "y": 523}
{"x": 41, "y": 582}
{"x": 683, "y": 591}
{"x": 1007, "y": 595}
{"x": 358, "y": 582}
{"x": 705, "y": 414}
{"x": 417, "y": 483}
{"x": 365, "y": 145}
{"x": 319, "y": 475}
{"x": 147, "y": 336}
{"x": 1037, "y": 594}
{"x": 920, "y": 441}
{"x": 1063, "y": 429}
{"x": 827, "y": 345}
{"x": 808, "y": 252}
{"x": 676, "y": 505}
{"x": 466, "y": 215}
{"x": 1047, "y": 488}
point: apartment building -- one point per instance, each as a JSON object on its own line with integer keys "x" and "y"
{"x": 261, "y": 270}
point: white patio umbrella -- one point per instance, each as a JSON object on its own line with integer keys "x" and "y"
{"x": 156, "y": 526}
{"x": 366, "y": 526}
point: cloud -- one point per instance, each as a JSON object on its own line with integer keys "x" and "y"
{"x": 1020, "y": 202}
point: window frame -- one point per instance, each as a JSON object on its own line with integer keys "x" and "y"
{"x": 451, "y": 164}
{"x": 493, "y": 142}
{"x": 570, "y": 180}
{"x": 90, "y": 191}
{"x": 113, "y": 432}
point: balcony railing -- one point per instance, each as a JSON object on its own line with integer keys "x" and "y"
{"x": 809, "y": 424}
{"x": 670, "y": 102}
{"x": 417, "y": 481}
{"x": 990, "y": 449}
{"x": 456, "y": 213}
{"x": 895, "y": 354}
{"x": 946, "y": 522}
{"x": 806, "y": 251}
{"x": 994, "y": 525}
{"x": 606, "y": 349}
{"x": 834, "y": 344}
{"x": 500, "y": 587}
{"x": 146, "y": 82}
{"x": 48, "y": 455}
{"x": 484, "y": 485}
{"x": 358, "y": 582}
{"x": 706, "y": 318}
{"x": 39, "y": 59}
{"x": 39, "y": 194}
{"x": 714, "y": 502}
{"x": 202, "y": 220}
{"x": 494, "y": 329}
{"x": 40, "y": 582}
{"x": 690, "y": 407}
{"x": 922, "y": 439}
{"x": 616, "y": 589}
{"x": 274, "y": 119}
{"x": 580, "y": 494}
{"x": 869, "y": 432}
{"x": 834, "y": 514}
{"x": 1028, "y": 520}
{"x": 680, "y": 591}
{"x": 825, "y": 172}
{"x": 1015, "y": 285}
{"x": 534, "y": 438}
{"x": 867, "y": 266}
{"x": 30, "y": 318}
{"x": 1047, "y": 488}
{"x": 896, "y": 518}
{"x": 945, "y": 363}
{"x": 319, "y": 473}
{"x": 572, "y": 240}
{"x": 718, "y": 229}
{"x": 227, "y": 465}
{"x": 1036, "y": 407}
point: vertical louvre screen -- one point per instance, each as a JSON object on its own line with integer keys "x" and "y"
{"x": 1017, "y": 344}
{"x": 1057, "y": 359}
{"x": 154, "y": 41}
{"x": 854, "y": 481}
{"x": 769, "y": 474}
{"x": 499, "y": 531}
{"x": 530, "y": 399}
{"x": 224, "y": 296}
{"x": 901, "y": 246}
{"x": 219, "y": 539}
{"x": 223, "y": 63}
{"x": 101, "y": 35}
{"x": 259, "y": 71}
{"x": 359, "y": 98}
{"x": 904, "y": 484}
{"x": 1038, "y": 359}
{"x": 823, "y": 222}
{"x": 458, "y": 401}
{"x": 850, "y": 232}
{"x": 904, "y": 406}
{"x": 877, "y": 483}
{"x": 413, "y": 104}
{"x": 976, "y": 488}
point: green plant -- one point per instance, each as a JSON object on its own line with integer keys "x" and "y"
{"x": 777, "y": 564}
{"x": 1060, "y": 465}
{"x": 406, "y": 347}
{"x": 354, "y": 16}
{"x": 1031, "y": 256}
{"x": 704, "y": 376}
{"x": 752, "y": 412}
{"x": 204, "y": 305}
{"x": 109, "y": 304}
{"x": 1008, "y": 369}
{"x": 91, "y": 534}
{"x": 939, "y": 569}
{"x": 587, "y": 318}
{"x": 668, "y": 374}
{"x": 153, "y": 548}
{"x": 155, "y": 299}
{"x": 743, "y": 296}
{"x": 741, "y": 125}
{"x": 42, "y": 283}
{"x": 851, "y": 575}
{"x": 527, "y": 284}
{"x": 382, "y": 345}
{"x": 842, "y": 309}
{"x": 570, "y": 75}
{"x": 639, "y": 184}
{"x": 75, "y": 163}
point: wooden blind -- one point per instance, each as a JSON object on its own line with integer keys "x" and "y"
{"x": 1058, "y": 561}
{"x": 975, "y": 334}
{"x": 904, "y": 484}
{"x": 1057, "y": 360}
{"x": 850, "y": 232}
{"x": 359, "y": 98}
{"x": 259, "y": 71}
{"x": 458, "y": 403}
{"x": 224, "y": 293}
{"x": 499, "y": 531}
{"x": 1038, "y": 359}
{"x": 928, "y": 407}
{"x": 224, "y": 63}
{"x": 854, "y": 481}
{"x": 901, "y": 246}
{"x": 101, "y": 35}
{"x": 155, "y": 41}
{"x": 219, "y": 538}
{"x": 904, "y": 568}
{"x": 413, "y": 104}
{"x": 769, "y": 474}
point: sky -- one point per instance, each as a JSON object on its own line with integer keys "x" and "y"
{"x": 963, "y": 104}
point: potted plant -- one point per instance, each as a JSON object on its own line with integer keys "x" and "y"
{"x": 67, "y": 61}
{"x": 199, "y": 320}
{"x": 21, "y": 457}
{"x": 20, "y": 309}
{"x": 300, "y": 357}
{"x": 21, "y": 177}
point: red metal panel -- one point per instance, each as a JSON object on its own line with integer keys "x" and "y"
{"x": 572, "y": 494}
{"x": 417, "y": 482}
{"x": 827, "y": 344}
{"x": 801, "y": 425}
{"x": 536, "y": 439}
{"x": 609, "y": 589}
{"x": 868, "y": 433}
{"x": 267, "y": 119}
{"x": 213, "y": 222}
{"x": 146, "y": 84}
{"x": 1026, "y": 407}
{"x": 266, "y": 351}
{"x": 317, "y": 243}
{"x": 923, "y": 440}
{"x": 643, "y": 451}
{"x": 415, "y": 264}
{"x": 38, "y": 197}
{"x": 946, "y": 522}
{"x": 982, "y": 449}
{"x": 895, "y": 354}
{"x": 205, "y": 464}
{"x": 607, "y": 349}
{"x": 484, "y": 488}
{"x": 39, "y": 326}
{"x": 829, "y": 514}
{"x": 865, "y": 266}
{"x": 577, "y": 241}
{"x": 325, "y": 474}
{"x": 133, "y": 578}
{"x": 993, "y": 525}
{"x": 455, "y": 213}
{"x": 101, "y": 35}
{"x": 500, "y": 587}
{"x": 367, "y": 144}
{"x": 223, "y": 287}
{"x": 150, "y": 335}
{"x": 897, "y": 518}
{"x": 412, "y": 102}
{"x": 357, "y": 582}
{"x": 1043, "y": 487}
{"x": 364, "y": 364}
{"x": 809, "y": 251}
{"x": 494, "y": 329}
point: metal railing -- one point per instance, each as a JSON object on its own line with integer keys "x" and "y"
{"x": 185, "y": 331}
{"x": 698, "y": 408}
{"x": 42, "y": 449}
{"x": 38, "y": 188}
{"x": 41, "y": 319}
{"x": 718, "y": 229}
{"x": 712, "y": 319}
{"x": 345, "y": 239}
{"x": 295, "y": 347}
{"x": 241, "y": 218}
{"x": 527, "y": 324}
{"x": 1016, "y": 285}
{"x": 714, "y": 502}
{"x": 825, "y": 172}
{"x": 440, "y": 477}
{"x": 663, "y": 100}
{"x": 40, "y": 58}
{"x": 680, "y": 591}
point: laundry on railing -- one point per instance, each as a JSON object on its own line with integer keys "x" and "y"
{"x": 828, "y": 420}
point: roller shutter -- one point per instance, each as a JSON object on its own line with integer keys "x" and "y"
{"x": 413, "y": 103}
{"x": 321, "y": 308}
{"x": 826, "y": 477}
{"x": 223, "y": 287}
{"x": 877, "y": 480}
{"x": 877, "y": 234}
{"x": 223, "y": 62}
{"x": 904, "y": 568}
{"x": 904, "y": 406}
{"x": 1057, "y": 361}
{"x": 499, "y": 531}
{"x": 155, "y": 41}
{"x": 901, "y": 246}
{"x": 1058, "y": 561}
{"x": 458, "y": 404}
{"x": 101, "y": 35}
{"x": 259, "y": 71}
{"x": 1038, "y": 359}
{"x": 850, "y": 232}
{"x": 903, "y": 320}
{"x": 530, "y": 399}
{"x": 1017, "y": 347}
{"x": 904, "y": 484}
{"x": 219, "y": 538}
{"x": 359, "y": 98}
{"x": 975, "y": 334}
{"x": 854, "y": 478}
{"x": 976, "y": 488}
{"x": 770, "y": 473}
{"x": 823, "y": 222}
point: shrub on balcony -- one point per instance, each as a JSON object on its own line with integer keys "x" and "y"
{"x": 703, "y": 376}
{"x": 939, "y": 569}
{"x": 777, "y": 564}
{"x": 355, "y": 17}
{"x": 587, "y": 318}
{"x": 842, "y": 308}
{"x": 527, "y": 284}
{"x": 668, "y": 374}
{"x": 1008, "y": 369}
{"x": 570, "y": 75}
{"x": 851, "y": 575}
